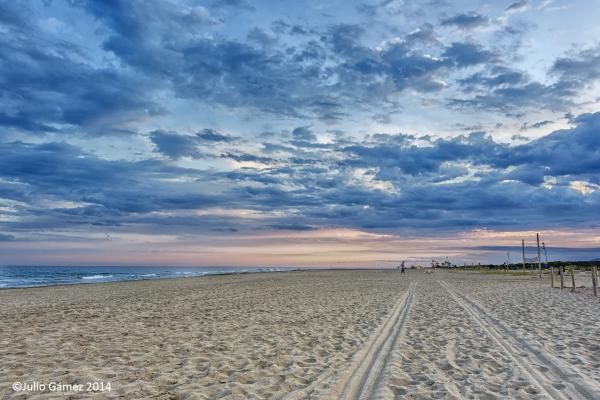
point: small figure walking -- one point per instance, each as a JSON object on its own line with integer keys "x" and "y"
{"x": 402, "y": 268}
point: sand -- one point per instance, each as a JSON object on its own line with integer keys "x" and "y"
{"x": 564, "y": 325}
{"x": 244, "y": 336}
{"x": 296, "y": 335}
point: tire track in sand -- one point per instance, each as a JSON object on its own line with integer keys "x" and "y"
{"x": 365, "y": 375}
{"x": 525, "y": 356}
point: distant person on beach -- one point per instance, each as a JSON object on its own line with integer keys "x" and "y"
{"x": 402, "y": 267}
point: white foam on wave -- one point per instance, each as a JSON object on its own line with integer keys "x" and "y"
{"x": 96, "y": 277}
{"x": 191, "y": 273}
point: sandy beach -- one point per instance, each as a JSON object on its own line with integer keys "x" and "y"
{"x": 309, "y": 334}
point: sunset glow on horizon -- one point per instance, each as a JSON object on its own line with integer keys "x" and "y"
{"x": 322, "y": 248}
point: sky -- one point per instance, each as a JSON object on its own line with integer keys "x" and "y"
{"x": 269, "y": 133}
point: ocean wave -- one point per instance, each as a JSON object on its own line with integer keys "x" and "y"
{"x": 193, "y": 273}
{"x": 50, "y": 276}
{"x": 96, "y": 277}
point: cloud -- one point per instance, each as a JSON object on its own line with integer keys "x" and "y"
{"x": 535, "y": 125}
{"x": 325, "y": 71}
{"x": 506, "y": 90}
{"x": 6, "y": 238}
{"x": 46, "y": 85}
{"x": 408, "y": 69}
{"x": 580, "y": 69}
{"x": 157, "y": 39}
{"x": 292, "y": 80}
{"x": 303, "y": 72}
{"x": 61, "y": 171}
{"x": 518, "y": 6}
{"x": 384, "y": 182}
{"x": 237, "y": 4}
{"x": 304, "y": 133}
{"x": 467, "y": 54}
{"x": 425, "y": 34}
{"x": 546, "y": 4}
{"x": 499, "y": 77}
{"x": 466, "y": 21}
{"x": 293, "y": 227}
{"x": 515, "y": 95}
{"x": 244, "y": 157}
{"x": 318, "y": 88}
{"x": 262, "y": 37}
{"x": 554, "y": 253}
{"x": 213, "y": 136}
{"x": 174, "y": 145}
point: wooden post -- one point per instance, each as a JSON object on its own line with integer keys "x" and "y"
{"x": 548, "y": 265}
{"x": 562, "y": 277}
{"x": 595, "y": 280}
{"x": 573, "y": 278}
{"x": 523, "y": 244}
{"x": 539, "y": 255}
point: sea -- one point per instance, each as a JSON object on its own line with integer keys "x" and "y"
{"x": 29, "y": 276}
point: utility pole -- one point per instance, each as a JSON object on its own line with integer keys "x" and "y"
{"x": 539, "y": 256}
{"x": 523, "y": 245}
